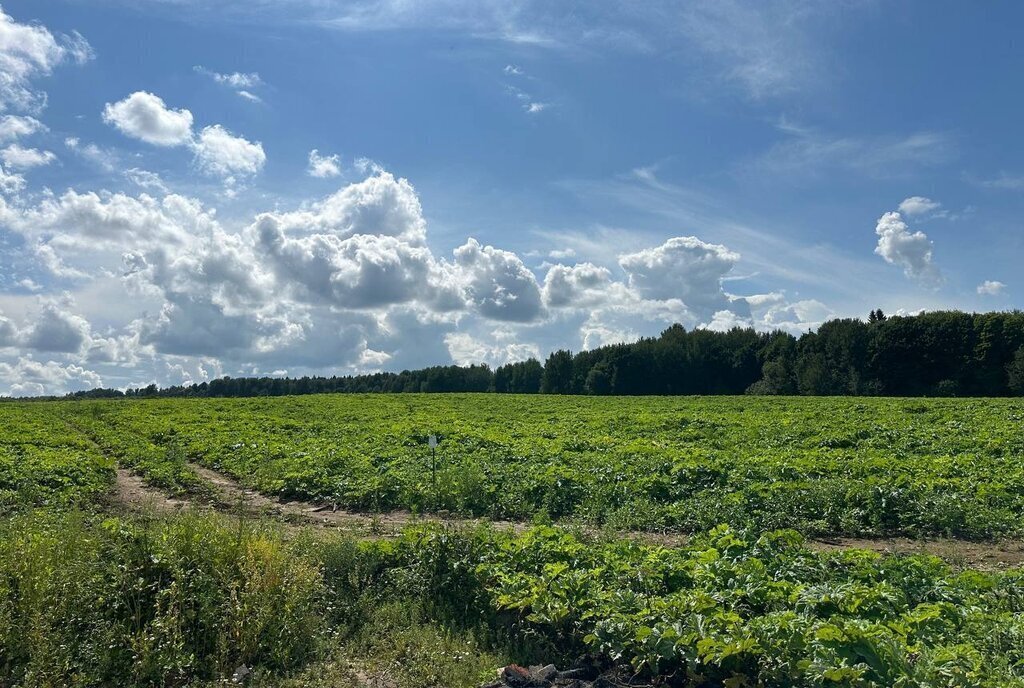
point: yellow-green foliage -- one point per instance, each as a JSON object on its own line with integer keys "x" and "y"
{"x": 123, "y": 602}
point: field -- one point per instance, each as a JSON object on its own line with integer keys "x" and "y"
{"x": 822, "y": 466}
{"x": 674, "y": 539}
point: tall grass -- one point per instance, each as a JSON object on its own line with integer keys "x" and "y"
{"x": 151, "y": 602}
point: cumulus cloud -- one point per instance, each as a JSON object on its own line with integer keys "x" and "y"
{"x": 28, "y": 377}
{"x": 991, "y": 288}
{"x": 8, "y": 332}
{"x": 221, "y": 153}
{"x": 323, "y": 166}
{"x": 796, "y": 318}
{"x": 218, "y": 152}
{"x": 580, "y": 286}
{"x": 144, "y": 179}
{"x": 918, "y": 205}
{"x": 497, "y": 283}
{"x": 10, "y": 182}
{"x": 20, "y": 158}
{"x": 13, "y": 127}
{"x": 91, "y": 221}
{"x": 360, "y": 271}
{"x": 912, "y": 251}
{"x": 346, "y": 283}
{"x": 465, "y": 349}
{"x": 724, "y": 320}
{"x": 57, "y": 330}
{"x": 380, "y": 204}
{"x": 28, "y": 51}
{"x": 684, "y": 268}
{"x": 146, "y": 117}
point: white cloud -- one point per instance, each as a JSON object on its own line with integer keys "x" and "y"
{"x": 512, "y": 70}
{"x": 91, "y": 221}
{"x": 8, "y": 332}
{"x": 219, "y": 152}
{"x": 723, "y": 321}
{"x": 362, "y": 247}
{"x": 20, "y": 158}
{"x": 28, "y": 377}
{"x": 795, "y": 318}
{"x": 684, "y": 268}
{"x": 52, "y": 263}
{"x": 347, "y": 283}
{"x": 991, "y": 288}
{"x": 10, "y": 182}
{"x": 910, "y": 250}
{"x": 101, "y": 157}
{"x": 561, "y": 253}
{"x": 144, "y": 116}
{"x": 144, "y": 179}
{"x": 497, "y": 283}
{"x": 28, "y": 51}
{"x": 57, "y": 330}
{"x": 242, "y": 83}
{"x": 380, "y": 204}
{"x": 529, "y": 104}
{"x": 465, "y": 349}
{"x": 235, "y": 80}
{"x": 358, "y": 272}
{"x": 918, "y": 205}
{"x": 584, "y": 285}
{"x": 13, "y": 127}
{"x": 323, "y": 166}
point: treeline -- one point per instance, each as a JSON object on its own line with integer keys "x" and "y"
{"x": 947, "y": 353}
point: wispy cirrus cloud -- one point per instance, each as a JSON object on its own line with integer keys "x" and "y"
{"x": 767, "y": 49}
{"x": 807, "y": 152}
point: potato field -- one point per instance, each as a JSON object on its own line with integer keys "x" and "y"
{"x": 673, "y": 541}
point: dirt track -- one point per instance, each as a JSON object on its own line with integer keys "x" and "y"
{"x": 228, "y": 495}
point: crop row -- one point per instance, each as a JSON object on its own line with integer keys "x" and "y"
{"x": 822, "y": 466}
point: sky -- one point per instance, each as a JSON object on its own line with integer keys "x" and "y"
{"x": 292, "y": 187}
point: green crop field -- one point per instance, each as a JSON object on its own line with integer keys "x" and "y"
{"x": 94, "y": 593}
{"x": 819, "y": 465}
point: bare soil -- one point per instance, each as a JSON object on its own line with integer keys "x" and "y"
{"x": 131, "y": 492}
{"x": 960, "y": 553}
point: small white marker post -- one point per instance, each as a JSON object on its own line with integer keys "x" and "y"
{"x": 432, "y": 443}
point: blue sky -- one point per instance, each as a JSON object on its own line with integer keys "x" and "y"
{"x": 492, "y": 180}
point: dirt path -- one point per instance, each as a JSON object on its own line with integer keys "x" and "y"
{"x": 228, "y": 495}
{"x": 959, "y": 553}
{"x": 131, "y": 492}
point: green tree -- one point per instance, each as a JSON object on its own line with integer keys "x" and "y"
{"x": 1015, "y": 373}
{"x": 558, "y": 373}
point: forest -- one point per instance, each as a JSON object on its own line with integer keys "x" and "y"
{"x": 943, "y": 354}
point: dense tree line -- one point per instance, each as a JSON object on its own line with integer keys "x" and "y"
{"x": 946, "y": 353}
